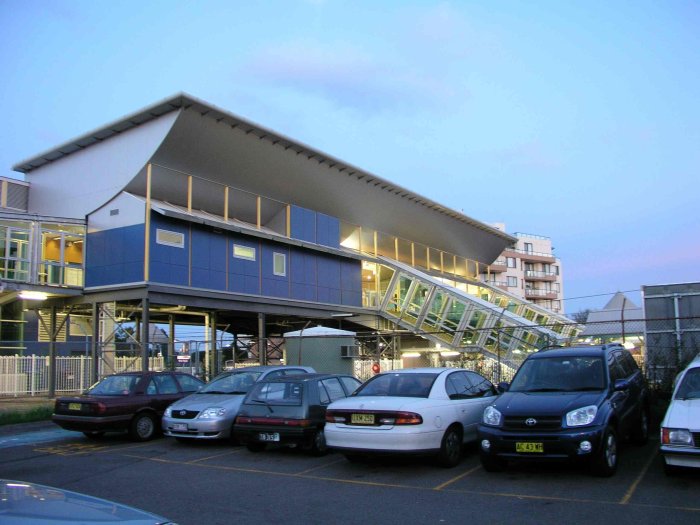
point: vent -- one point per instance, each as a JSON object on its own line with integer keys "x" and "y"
{"x": 15, "y": 196}
{"x": 168, "y": 238}
{"x": 349, "y": 351}
{"x": 114, "y": 212}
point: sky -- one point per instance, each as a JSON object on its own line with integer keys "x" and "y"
{"x": 579, "y": 121}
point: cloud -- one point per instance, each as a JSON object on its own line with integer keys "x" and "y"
{"x": 348, "y": 77}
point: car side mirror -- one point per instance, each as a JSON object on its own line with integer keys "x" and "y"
{"x": 621, "y": 385}
{"x": 503, "y": 387}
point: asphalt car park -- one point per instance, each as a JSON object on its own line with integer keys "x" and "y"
{"x": 215, "y": 482}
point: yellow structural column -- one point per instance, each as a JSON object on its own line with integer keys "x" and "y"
{"x": 147, "y": 247}
{"x": 189, "y": 194}
{"x": 226, "y": 203}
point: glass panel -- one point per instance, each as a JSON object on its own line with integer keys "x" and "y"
{"x": 421, "y": 255}
{"x": 398, "y": 296}
{"x": 434, "y": 316}
{"x": 350, "y": 236}
{"x": 386, "y": 274}
{"x": 418, "y": 297}
{"x": 370, "y": 297}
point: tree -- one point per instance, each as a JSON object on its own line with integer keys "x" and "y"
{"x": 581, "y": 316}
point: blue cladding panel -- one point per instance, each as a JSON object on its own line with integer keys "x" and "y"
{"x": 208, "y": 259}
{"x": 351, "y": 282}
{"x": 303, "y": 224}
{"x": 115, "y": 256}
{"x": 169, "y": 264}
{"x": 244, "y": 275}
{"x": 328, "y": 230}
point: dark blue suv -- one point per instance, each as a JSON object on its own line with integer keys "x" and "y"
{"x": 568, "y": 404}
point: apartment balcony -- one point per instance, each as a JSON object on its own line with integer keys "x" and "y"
{"x": 526, "y": 255}
{"x": 533, "y": 275}
{"x": 499, "y": 284}
{"x": 498, "y": 266}
{"x": 533, "y": 293}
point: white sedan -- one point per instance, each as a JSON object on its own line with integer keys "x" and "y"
{"x": 412, "y": 411}
{"x": 680, "y": 428}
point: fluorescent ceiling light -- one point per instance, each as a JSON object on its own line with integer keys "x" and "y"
{"x": 33, "y": 296}
{"x": 410, "y": 354}
{"x": 449, "y": 354}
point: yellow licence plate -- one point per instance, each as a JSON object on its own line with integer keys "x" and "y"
{"x": 74, "y": 406}
{"x": 362, "y": 419}
{"x": 529, "y": 447}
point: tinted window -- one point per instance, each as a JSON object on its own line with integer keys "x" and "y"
{"x": 333, "y": 387}
{"x": 559, "y": 374}
{"x": 119, "y": 385}
{"x": 616, "y": 371}
{"x": 481, "y": 385}
{"x": 151, "y": 389}
{"x": 350, "y": 384}
{"x": 235, "y": 383}
{"x": 629, "y": 365}
{"x": 403, "y": 385}
{"x": 689, "y": 387}
{"x": 458, "y": 386}
{"x": 166, "y": 384}
{"x": 277, "y": 393}
{"x": 188, "y": 383}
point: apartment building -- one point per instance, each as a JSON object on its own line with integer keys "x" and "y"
{"x": 529, "y": 269}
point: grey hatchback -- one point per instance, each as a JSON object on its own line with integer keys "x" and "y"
{"x": 291, "y": 411}
{"x": 211, "y": 412}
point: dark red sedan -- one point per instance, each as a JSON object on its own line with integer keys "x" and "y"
{"x": 131, "y": 402}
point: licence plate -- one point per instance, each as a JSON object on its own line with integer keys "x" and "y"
{"x": 269, "y": 436}
{"x": 529, "y": 447}
{"x": 74, "y": 406}
{"x": 362, "y": 419}
{"x": 180, "y": 426}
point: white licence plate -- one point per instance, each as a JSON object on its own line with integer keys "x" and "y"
{"x": 180, "y": 426}
{"x": 263, "y": 436}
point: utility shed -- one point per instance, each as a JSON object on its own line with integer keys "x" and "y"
{"x": 328, "y": 350}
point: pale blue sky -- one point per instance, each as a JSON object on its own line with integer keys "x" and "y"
{"x": 575, "y": 120}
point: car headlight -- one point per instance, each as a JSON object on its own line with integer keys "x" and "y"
{"x": 211, "y": 413}
{"x": 168, "y": 412}
{"x": 581, "y": 416}
{"x": 676, "y": 436}
{"x": 492, "y": 416}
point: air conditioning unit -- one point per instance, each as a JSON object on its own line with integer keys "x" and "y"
{"x": 349, "y": 351}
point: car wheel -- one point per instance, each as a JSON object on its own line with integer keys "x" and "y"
{"x": 318, "y": 445}
{"x": 255, "y": 446}
{"x": 605, "y": 463}
{"x": 143, "y": 427}
{"x": 491, "y": 463}
{"x": 640, "y": 436}
{"x": 94, "y": 434}
{"x": 451, "y": 448}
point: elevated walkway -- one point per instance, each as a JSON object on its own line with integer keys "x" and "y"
{"x": 467, "y": 317}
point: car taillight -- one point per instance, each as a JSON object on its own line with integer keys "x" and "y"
{"x": 400, "y": 418}
{"x": 335, "y": 417}
{"x": 101, "y": 408}
{"x": 243, "y": 420}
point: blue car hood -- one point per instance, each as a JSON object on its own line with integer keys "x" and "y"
{"x": 545, "y": 403}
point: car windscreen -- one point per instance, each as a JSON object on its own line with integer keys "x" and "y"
{"x": 233, "y": 383}
{"x": 119, "y": 385}
{"x": 689, "y": 387}
{"x": 560, "y": 374}
{"x": 276, "y": 393}
{"x": 401, "y": 385}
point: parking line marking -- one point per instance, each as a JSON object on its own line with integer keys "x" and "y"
{"x": 320, "y": 467}
{"x": 410, "y": 487}
{"x": 630, "y": 492}
{"x": 228, "y": 453}
{"x": 457, "y": 478}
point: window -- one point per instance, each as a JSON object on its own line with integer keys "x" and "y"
{"x": 512, "y": 281}
{"x": 528, "y": 247}
{"x": 166, "y": 384}
{"x": 168, "y": 238}
{"x": 188, "y": 384}
{"x": 510, "y": 261}
{"x": 279, "y": 264}
{"x": 243, "y": 252}
{"x": 333, "y": 388}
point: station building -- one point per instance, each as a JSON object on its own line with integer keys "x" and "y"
{"x": 183, "y": 212}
